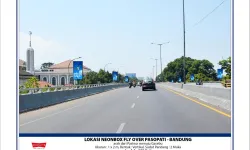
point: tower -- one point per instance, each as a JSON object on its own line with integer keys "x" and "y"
{"x": 30, "y": 57}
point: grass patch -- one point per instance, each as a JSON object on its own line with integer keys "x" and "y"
{"x": 24, "y": 92}
{"x": 52, "y": 89}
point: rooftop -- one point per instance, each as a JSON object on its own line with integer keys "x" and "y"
{"x": 64, "y": 65}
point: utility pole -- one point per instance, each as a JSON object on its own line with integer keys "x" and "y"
{"x": 184, "y": 46}
{"x": 155, "y": 67}
{"x": 160, "y": 58}
{"x": 153, "y": 71}
{"x": 161, "y": 63}
{"x": 106, "y": 65}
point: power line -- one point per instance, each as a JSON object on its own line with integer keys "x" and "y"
{"x": 209, "y": 14}
{"x": 204, "y": 17}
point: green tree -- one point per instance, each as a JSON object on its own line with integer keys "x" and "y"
{"x": 121, "y": 78}
{"x": 46, "y": 65}
{"x": 226, "y": 65}
{"x": 108, "y": 77}
{"x": 101, "y": 76}
{"x": 94, "y": 77}
{"x": 174, "y": 69}
{"x": 202, "y": 69}
{"x": 90, "y": 78}
{"x": 32, "y": 83}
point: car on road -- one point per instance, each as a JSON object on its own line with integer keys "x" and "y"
{"x": 148, "y": 83}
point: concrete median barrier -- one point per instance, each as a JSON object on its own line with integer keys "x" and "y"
{"x": 38, "y": 100}
{"x": 220, "y": 97}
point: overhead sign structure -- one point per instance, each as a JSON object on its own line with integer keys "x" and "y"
{"x": 126, "y": 79}
{"x": 219, "y": 73}
{"x": 131, "y": 75}
{"x": 77, "y": 70}
{"x": 115, "y": 76}
{"x": 192, "y": 77}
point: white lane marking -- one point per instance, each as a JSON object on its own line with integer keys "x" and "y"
{"x": 49, "y": 115}
{"x": 137, "y": 96}
{"x": 120, "y": 128}
{"x": 133, "y": 105}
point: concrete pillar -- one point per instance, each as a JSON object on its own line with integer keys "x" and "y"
{"x": 67, "y": 79}
{"x": 49, "y": 80}
{"x": 59, "y": 81}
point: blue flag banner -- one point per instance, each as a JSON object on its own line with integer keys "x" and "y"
{"x": 179, "y": 79}
{"x": 192, "y": 77}
{"x": 219, "y": 73}
{"x": 77, "y": 70}
{"x": 115, "y": 76}
{"x": 126, "y": 79}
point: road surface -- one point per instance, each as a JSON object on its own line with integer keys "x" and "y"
{"x": 126, "y": 110}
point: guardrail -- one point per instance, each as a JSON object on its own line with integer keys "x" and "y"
{"x": 42, "y": 97}
{"x": 226, "y": 83}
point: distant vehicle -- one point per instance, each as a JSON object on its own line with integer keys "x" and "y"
{"x": 148, "y": 83}
{"x": 199, "y": 82}
{"x": 134, "y": 84}
{"x": 130, "y": 84}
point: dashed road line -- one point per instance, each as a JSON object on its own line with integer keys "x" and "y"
{"x": 133, "y": 105}
{"x": 120, "y": 128}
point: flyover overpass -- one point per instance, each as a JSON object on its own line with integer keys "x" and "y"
{"x": 124, "y": 110}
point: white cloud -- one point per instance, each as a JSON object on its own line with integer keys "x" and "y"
{"x": 45, "y": 50}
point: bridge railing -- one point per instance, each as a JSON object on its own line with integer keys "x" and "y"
{"x": 37, "y": 98}
{"x": 28, "y": 91}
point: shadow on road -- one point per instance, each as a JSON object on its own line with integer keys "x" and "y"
{"x": 146, "y": 90}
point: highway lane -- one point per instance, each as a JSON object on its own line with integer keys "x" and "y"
{"x": 126, "y": 110}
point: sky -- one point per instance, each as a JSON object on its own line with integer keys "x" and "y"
{"x": 121, "y": 32}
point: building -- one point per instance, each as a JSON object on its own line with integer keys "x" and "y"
{"x": 43, "y": 84}
{"x": 23, "y": 77}
{"x": 22, "y": 65}
{"x": 56, "y": 75}
{"x": 30, "y": 58}
{"x": 60, "y": 74}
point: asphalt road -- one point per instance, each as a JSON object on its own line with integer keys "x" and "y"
{"x": 126, "y": 110}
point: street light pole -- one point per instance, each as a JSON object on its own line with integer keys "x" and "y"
{"x": 184, "y": 45}
{"x": 155, "y": 67}
{"x": 160, "y": 57}
{"x": 106, "y": 65}
{"x": 68, "y": 68}
{"x": 153, "y": 71}
{"x": 161, "y": 63}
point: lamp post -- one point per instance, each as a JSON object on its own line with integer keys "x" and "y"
{"x": 106, "y": 65}
{"x": 120, "y": 67}
{"x": 155, "y": 67}
{"x": 153, "y": 71}
{"x": 160, "y": 44}
{"x": 68, "y": 68}
{"x": 184, "y": 46}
